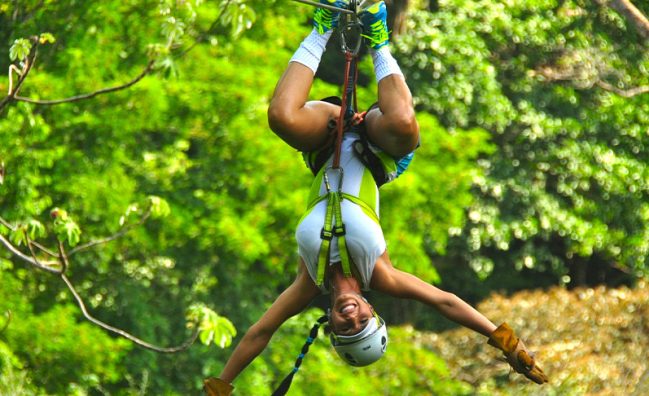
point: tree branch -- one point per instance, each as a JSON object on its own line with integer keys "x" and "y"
{"x": 113, "y": 237}
{"x": 16, "y": 252}
{"x": 33, "y": 253}
{"x": 631, "y": 12}
{"x": 63, "y": 262}
{"x": 627, "y": 93}
{"x": 123, "y": 333}
{"x": 34, "y": 243}
{"x": 147, "y": 70}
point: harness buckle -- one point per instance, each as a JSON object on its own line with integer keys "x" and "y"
{"x": 326, "y": 234}
{"x": 339, "y": 230}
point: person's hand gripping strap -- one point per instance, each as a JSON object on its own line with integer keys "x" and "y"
{"x": 217, "y": 387}
{"x": 516, "y": 353}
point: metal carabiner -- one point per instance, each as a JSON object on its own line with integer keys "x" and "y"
{"x": 351, "y": 28}
{"x": 326, "y": 178}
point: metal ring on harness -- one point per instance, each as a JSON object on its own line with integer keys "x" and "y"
{"x": 326, "y": 178}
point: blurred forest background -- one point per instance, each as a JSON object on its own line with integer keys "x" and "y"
{"x": 168, "y": 207}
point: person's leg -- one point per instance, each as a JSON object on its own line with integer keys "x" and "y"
{"x": 302, "y": 124}
{"x": 392, "y": 126}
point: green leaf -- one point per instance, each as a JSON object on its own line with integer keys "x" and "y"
{"x": 211, "y": 326}
{"x": 66, "y": 229}
{"x": 18, "y": 236}
{"x": 159, "y": 207}
{"x": 35, "y": 229}
{"x": 130, "y": 211}
{"x": 239, "y": 17}
{"x": 46, "y": 38}
{"x": 20, "y": 49}
{"x": 72, "y": 233}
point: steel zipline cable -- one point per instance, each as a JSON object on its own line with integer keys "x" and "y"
{"x": 327, "y": 6}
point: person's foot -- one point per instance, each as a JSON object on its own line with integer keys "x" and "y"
{"x": 375, "y": 25}
{"x": 325, "y": 19}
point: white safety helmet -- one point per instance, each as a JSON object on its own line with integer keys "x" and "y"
{"x": 365, "y": 347}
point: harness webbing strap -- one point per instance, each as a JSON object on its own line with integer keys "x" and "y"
{"x": 339, "y": 231}
{"x": 334, "y": 227}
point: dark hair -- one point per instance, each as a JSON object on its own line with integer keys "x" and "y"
{"x": 286, "y": 383}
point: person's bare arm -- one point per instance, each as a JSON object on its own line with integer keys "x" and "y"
{"x": 396, "y": 283}
{"x": 291, "y": 302}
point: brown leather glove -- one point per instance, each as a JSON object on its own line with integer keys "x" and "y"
{"x": 516, "y": 353}
{"x": 217, "y": 387}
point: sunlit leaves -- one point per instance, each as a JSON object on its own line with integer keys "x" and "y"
{"x": 22, "y": 46}
{"x": 65, "y": 228}
{"x": 46, "y": 38}
{"x": 239, "y": 16}
{"x": 159, "y": 207}
{"x": 131, "y": 211}
{"x": 20, "y": 49}
{"x": 212, "y": 327}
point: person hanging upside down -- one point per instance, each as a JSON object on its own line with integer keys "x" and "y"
{"x": 340, "y": 242}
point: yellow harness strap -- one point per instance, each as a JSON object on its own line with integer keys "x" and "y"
{"x": 334, "y": 227}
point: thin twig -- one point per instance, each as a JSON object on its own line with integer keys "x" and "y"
{"x": 65, "y": 264}
{"x": 38, "y": 245}
{"x": 29, "y": 63}
{"x": 6, "y": 224}
{"x": 33, "y": 253}
{"x": 13, "y": 69}
{"x": 43, "y": 266}
{"x": 201, "y": 37}
{"x": 119, "y": 234}
{"x": 147, "y": 70}
{"x": 123, "y": 333}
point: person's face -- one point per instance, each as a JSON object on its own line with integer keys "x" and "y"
{"x": 349, "y": 314}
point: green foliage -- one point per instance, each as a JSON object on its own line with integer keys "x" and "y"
{"x": 159, "y": 207}
{"x": 565, "y": 162}
{"x": 422, "y": 208}
{"x": 68, "y": 352}
{"x": 15, "y": 380}
{"x": 238, "y": 15}
{"x": 20, "y": 49}
{"x": 529, "y": 174}
{"x": 65, "y": 228}
{"x": 211, "y": 326}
